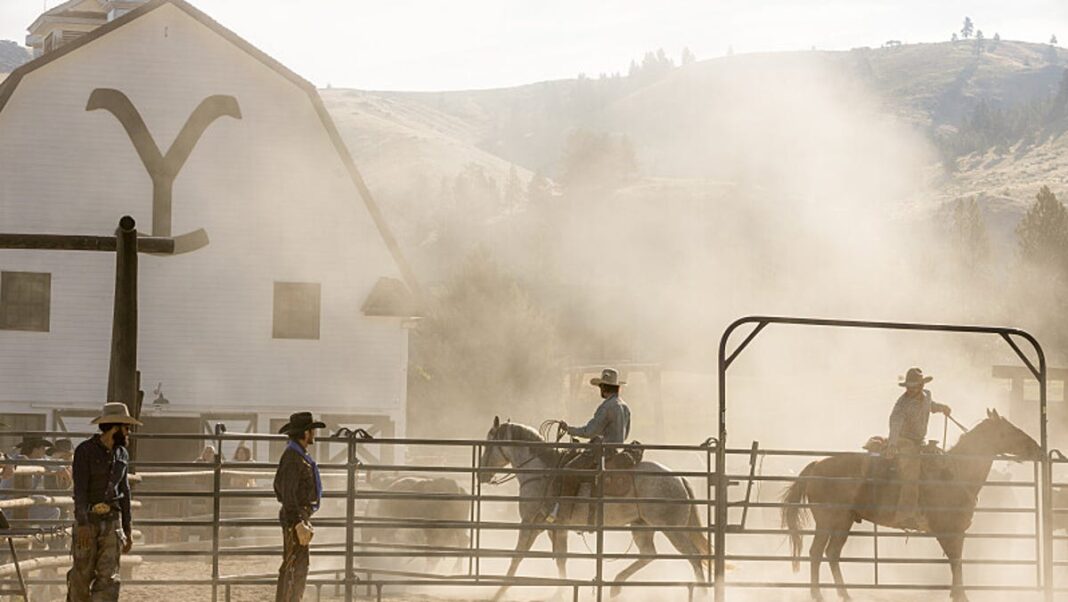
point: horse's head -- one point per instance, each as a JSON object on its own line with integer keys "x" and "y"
{"x": 1005, "y": 438}
{"x": 495, "y": 456}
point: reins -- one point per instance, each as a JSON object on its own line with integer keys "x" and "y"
{"x": 945, "y": 429}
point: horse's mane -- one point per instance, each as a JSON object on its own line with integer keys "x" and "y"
{"x": 522, "y": 432}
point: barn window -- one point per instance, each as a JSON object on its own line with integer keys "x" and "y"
{"x": 25, "y": 301}
{"x": 296, "y": 310}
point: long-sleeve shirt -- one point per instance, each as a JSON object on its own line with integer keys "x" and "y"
{"x": 294, "y": 487}
{"x": 101, "y": 475}
{"x": 611, "y": 422}
{"x": 911, "y": 415}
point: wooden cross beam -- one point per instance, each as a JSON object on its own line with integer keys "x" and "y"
{"x": 123, "y": 385}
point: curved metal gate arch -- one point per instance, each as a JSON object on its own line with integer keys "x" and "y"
{"x": 761, "y": 322}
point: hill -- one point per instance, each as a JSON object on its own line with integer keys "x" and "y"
{"x": 12, "y": 55}
{"x": 817, "y": 125}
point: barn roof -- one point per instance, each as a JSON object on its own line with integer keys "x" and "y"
{"x": 8, "y": 86}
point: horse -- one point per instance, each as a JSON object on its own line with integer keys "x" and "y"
{"x": 841, "y": 491}
{"x": 533, "y": 485}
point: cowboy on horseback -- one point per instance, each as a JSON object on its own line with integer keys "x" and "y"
{"x": 610, "y": 424}
{"x": 908, "y": 432}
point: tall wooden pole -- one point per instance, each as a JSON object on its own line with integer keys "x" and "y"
{"x": 122, "y": 376}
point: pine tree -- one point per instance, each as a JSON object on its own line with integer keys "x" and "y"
{"x": 966, "y": 31}
{"x": 972, "y": 241}
{"x": 1053, "y": 40}
{"x": 687, "y": 56}
{"x": 980, "y": 42}
{"x": 513, "y": 189}
{"x": 1042, "y": 234}
{"x": 484, "y": 339}
{"x": 953, "y": 38}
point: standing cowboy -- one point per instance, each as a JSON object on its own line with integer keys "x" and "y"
{"x": 908, "y": 432}
{"x": 299, "y": 488}
{"x": 101, "y": 508}
{"x": 610, "y": 424}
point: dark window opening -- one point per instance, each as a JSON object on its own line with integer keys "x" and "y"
{"x": 25, "y": 301}
{"x": 296, "y": 310}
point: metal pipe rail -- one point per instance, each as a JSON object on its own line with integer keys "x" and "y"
{"x": 346, "y": 515}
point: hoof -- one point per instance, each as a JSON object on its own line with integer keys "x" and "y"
{"x": 615, "y": 591}
{"x": 817, "y": 596}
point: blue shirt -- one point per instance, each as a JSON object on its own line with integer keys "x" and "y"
{"x": 611, "y": 422}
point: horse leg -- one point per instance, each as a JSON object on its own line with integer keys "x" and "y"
{"x": 559, "y": 540}
{"x": 684, "y": 544}
{"x": 953, "y": 546}
{"x": 646, "y": 547}
{"x": 834, "y": 554}
{"x": 815, "y": 557}
{"x": 522, "y": 546}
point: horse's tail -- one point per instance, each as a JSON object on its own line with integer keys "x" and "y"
{"x": 697, "y": 536}
{"x": 794, "y": 516}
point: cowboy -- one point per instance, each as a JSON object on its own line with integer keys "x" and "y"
{"x": 299, "y": 488}
{"x": 908, "y": 432}
{"x": 610, "y": 424}
{"x": 101, "y": 507}
{"x": 30, "y": 448}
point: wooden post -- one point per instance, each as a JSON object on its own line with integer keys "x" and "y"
{"x": 122, "y": 376}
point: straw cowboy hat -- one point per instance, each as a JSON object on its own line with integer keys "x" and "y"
{"x": 115, "y": 412}
{"x": 300, "y": 422}
{"x": 61, "y": 445}
{"x": 915, "y": 378}
{"x": 609, "y": 376}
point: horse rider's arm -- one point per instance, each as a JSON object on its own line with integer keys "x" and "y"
{"x": 940, "y": 408}
{"x": 897, "y": 422}
{"x": 596, "y": 426}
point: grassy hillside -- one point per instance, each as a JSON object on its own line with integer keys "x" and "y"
{"x": 745, "y": 119}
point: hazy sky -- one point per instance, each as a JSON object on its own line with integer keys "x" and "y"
{"x": 454, "y": 44}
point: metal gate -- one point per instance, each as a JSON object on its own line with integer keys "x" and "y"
{"x": 1042, "y": 483}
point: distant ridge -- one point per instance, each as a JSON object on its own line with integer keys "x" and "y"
{"x": 12, "y": 55}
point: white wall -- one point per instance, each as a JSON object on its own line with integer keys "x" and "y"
{"x": 269, "y": 189}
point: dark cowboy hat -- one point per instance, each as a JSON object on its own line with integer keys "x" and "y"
{"x": 28, "y": 444}
{"x": 915, "y": 378}
{"x": 300, "y": 422}
{"x": 61, "y": 445}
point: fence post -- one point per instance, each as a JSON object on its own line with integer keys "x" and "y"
{"x": 471, "y": 514}
{"x": 350, "y": 516}
{"x": 721, "y": 519}
{"x": 478, "y": 516}
{"x": 598, "y": 451}
{"x": 709, "y": 518}
{"x": 216, "y": 510}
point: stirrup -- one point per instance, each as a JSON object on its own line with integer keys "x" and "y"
{"x": 553, "y": 514}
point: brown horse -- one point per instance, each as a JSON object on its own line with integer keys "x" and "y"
{"x": 841, "y": 491}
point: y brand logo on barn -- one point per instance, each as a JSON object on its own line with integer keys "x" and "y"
{"x": 163, "y": 169}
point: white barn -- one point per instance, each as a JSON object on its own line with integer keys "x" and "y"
{"x": 302, "y": 298}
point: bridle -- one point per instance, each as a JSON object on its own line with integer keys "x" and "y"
{"x": 513, "y": 475}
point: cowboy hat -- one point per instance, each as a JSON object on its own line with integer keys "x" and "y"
{"x": 61, "y": 445}
{"x": 28, "y": 444}
{"x": 299, "y": 423}
{"x": 914, "y": 378}
{"x": 610, "y": 377}
{"x": 115, "y": 412}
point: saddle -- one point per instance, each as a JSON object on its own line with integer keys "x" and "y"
{"x": 933, "y": 463}
{"x": 620, "y": 484}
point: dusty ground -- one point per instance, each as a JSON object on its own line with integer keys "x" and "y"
{"x": 200, "y": 569}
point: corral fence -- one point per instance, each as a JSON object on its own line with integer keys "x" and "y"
{"x": 427, "y": 520}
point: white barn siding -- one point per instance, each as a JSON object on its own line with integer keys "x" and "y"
{"x": 272, "y": 193}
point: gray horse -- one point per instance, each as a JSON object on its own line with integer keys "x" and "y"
{"x": 661, "y": 485}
